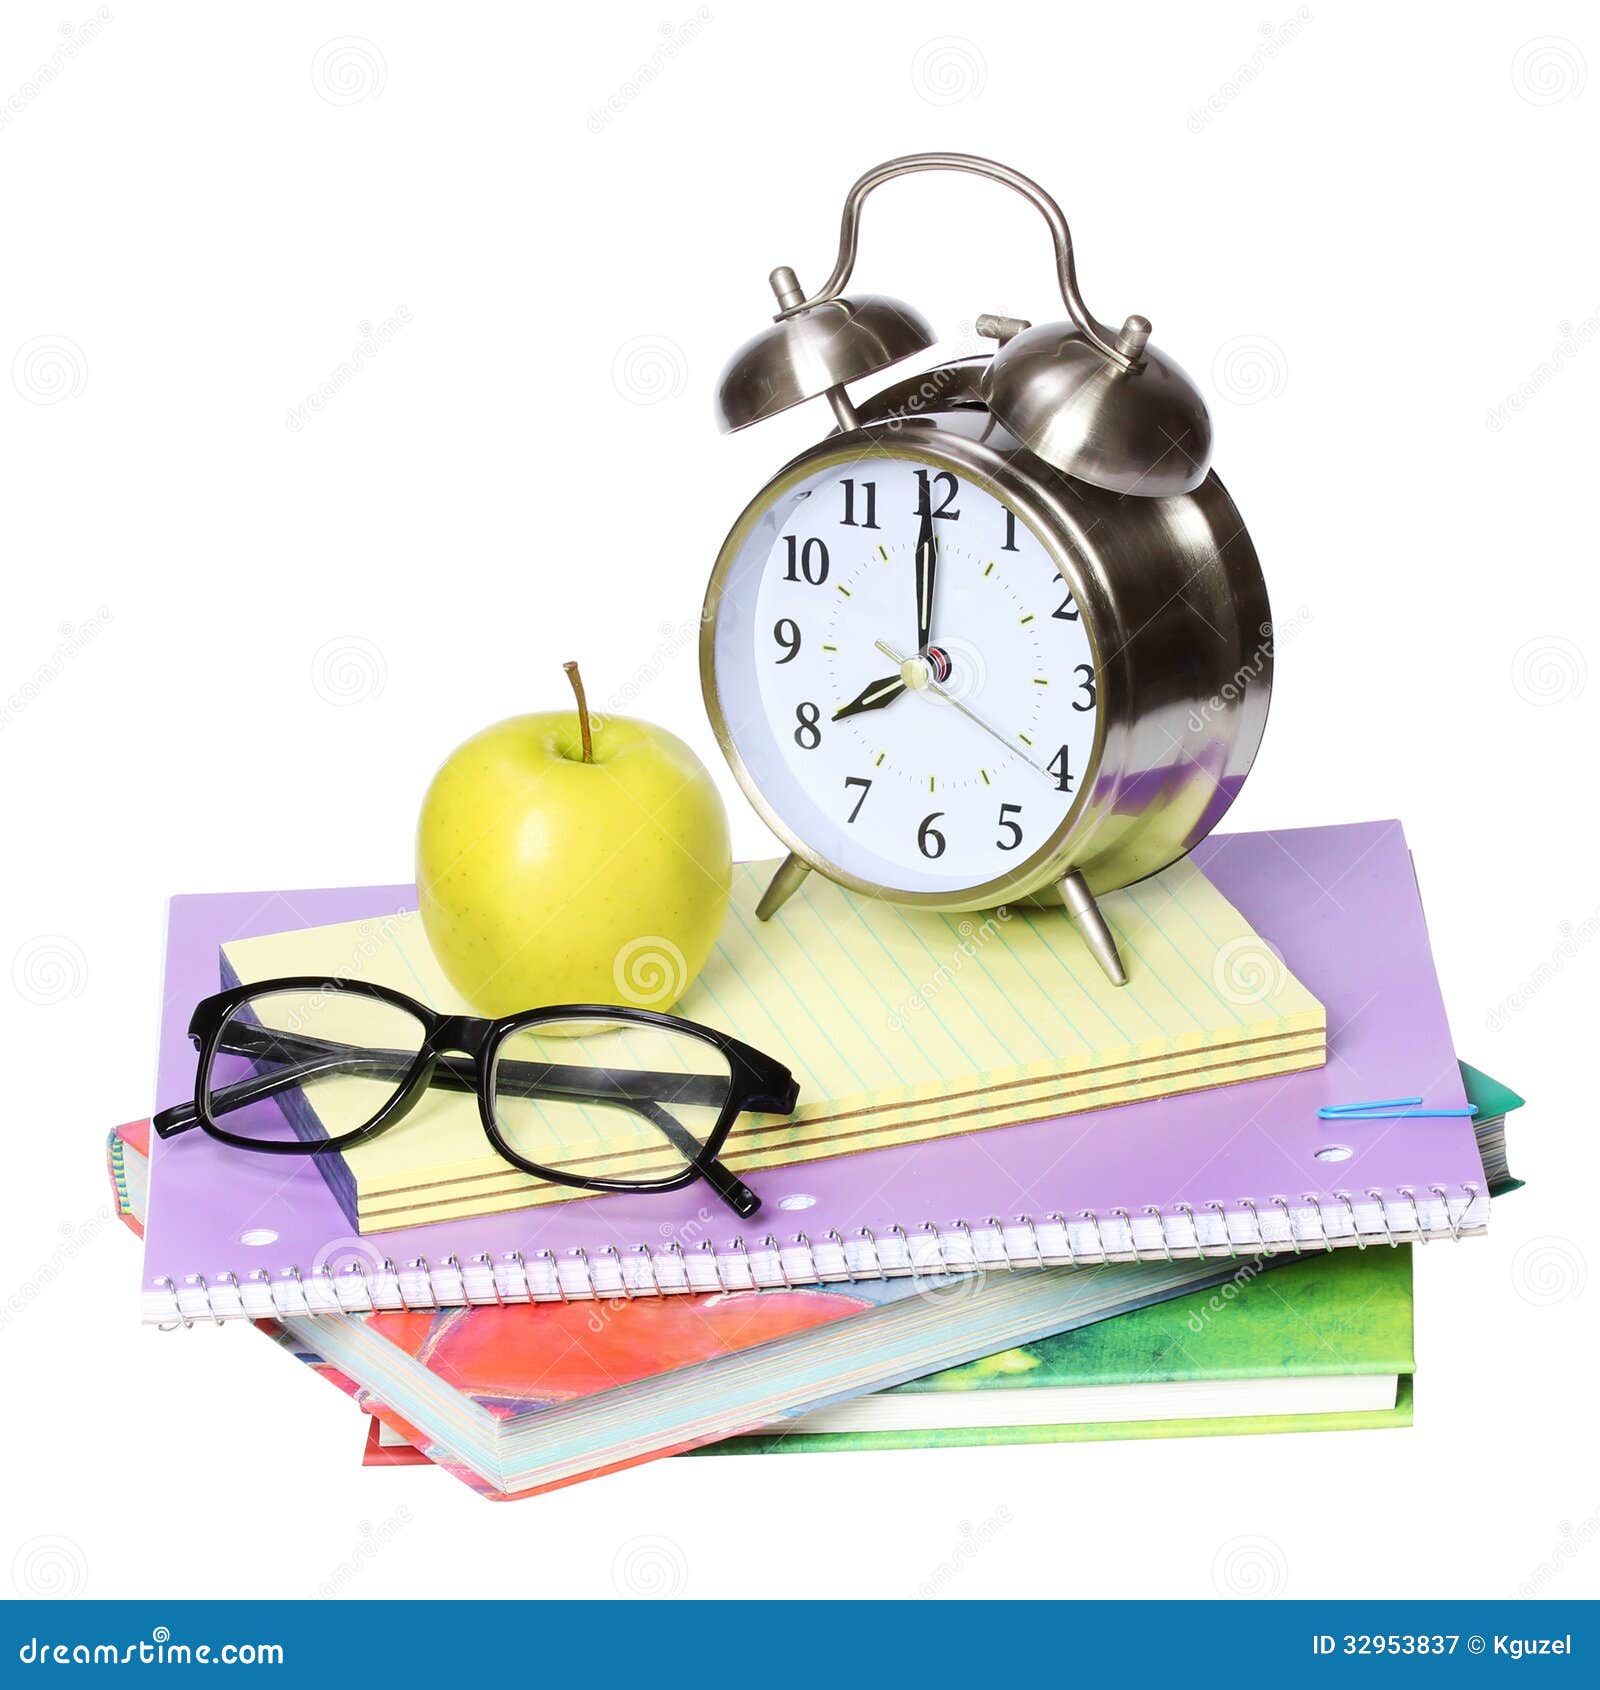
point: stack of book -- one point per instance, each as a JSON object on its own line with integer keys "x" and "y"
{"x": 1015, "y": 1204}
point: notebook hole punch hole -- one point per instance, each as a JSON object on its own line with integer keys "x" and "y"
{"x": 1334, "y": 1153}
{"x": 258, "y": 1236}
{"x": 797, "y": 1200}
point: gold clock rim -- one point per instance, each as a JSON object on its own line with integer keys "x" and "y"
{"x": 978, "y": 463}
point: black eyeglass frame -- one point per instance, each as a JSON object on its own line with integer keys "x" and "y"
{"x": 756, "y": 1082}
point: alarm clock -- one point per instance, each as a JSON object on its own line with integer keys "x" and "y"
{"x": 1001, "y": 636}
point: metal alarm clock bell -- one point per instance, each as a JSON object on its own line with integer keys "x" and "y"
{"x": 1001, "y": 636}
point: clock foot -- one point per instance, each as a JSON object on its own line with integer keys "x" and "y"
{"x": 785, "y": 883}
{"x": 1097, "y": 935}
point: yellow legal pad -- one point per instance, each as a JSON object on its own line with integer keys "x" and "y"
{"x": 901, "y": 1026}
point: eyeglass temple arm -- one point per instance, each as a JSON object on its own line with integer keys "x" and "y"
{"x": 727, "y": 1185}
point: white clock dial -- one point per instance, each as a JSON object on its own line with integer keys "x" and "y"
{"x": 926, "y": 744}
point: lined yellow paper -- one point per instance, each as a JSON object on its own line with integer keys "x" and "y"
{"x": 901, "y": 1026}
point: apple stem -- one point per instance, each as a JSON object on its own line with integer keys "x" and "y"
{"x": 583, "y": 710}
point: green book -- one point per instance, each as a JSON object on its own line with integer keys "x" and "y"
{"x": 1322, "y": 1343}
{"x": 1309, "y": 1345}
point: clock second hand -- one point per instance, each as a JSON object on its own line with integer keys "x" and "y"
{"x": 950, "y": 698}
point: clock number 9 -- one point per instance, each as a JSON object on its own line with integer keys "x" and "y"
{"x": 808, "y": 736}
{"x": 786, "y": 631}
{"x": 930, "y": 841}
{"x": 807, "y": 563}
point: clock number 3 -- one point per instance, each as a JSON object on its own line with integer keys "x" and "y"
{"x": 1086, "y": 686}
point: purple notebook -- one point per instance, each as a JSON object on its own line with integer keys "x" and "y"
{"x": 1237, "y": 1170}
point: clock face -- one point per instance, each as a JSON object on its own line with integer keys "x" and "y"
{"x": 906, "y": 676}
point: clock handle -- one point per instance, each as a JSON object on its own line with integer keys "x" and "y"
{"x": 1096, "y": 333}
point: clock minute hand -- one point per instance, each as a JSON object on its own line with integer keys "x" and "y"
{"x": 927, "y": 682}
{"x": 873, "y": 696}
{"x": 927, "y": 563}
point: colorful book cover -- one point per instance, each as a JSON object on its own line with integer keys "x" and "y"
{"x": 1336, "y": 1312}
{"x": 1334, "y": 1316}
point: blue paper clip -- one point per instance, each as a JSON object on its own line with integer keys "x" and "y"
{"x": 1391, "y": 1109}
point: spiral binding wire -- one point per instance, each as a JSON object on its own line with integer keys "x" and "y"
{"x": 957, "y": 1247}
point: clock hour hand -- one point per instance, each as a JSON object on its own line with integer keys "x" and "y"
{"x": 927, "y": 563}
{"x": 873, "y": 696}
{"x": 914, "y": 671}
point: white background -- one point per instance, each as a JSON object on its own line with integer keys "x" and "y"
{"x": 1368, "y": 231}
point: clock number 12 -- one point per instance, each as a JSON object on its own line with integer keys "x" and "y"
{"x": 948, "y": 487}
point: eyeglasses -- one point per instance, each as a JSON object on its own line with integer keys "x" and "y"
{"x": 584, "y": 1095}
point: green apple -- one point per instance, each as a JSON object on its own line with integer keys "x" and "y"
{"x": 560, "y": 865}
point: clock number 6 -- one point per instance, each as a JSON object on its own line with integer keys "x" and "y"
{"x": 930, "y": 841}
{"x": 808, "y": 736}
